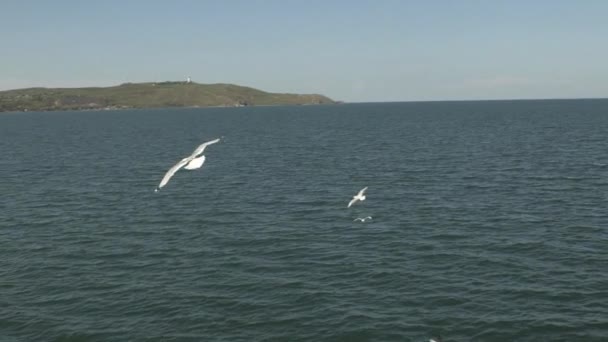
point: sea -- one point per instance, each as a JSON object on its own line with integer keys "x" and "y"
{"x": 489, "y": 223}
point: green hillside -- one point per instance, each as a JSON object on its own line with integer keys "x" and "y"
{"x": 148, "y": 95}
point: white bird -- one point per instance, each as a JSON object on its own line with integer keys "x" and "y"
{"x": 363, "y": 219}
{"x": 195, "y": 163}
{"x": 359, "y": 197}
{"x": 189, "y": 163}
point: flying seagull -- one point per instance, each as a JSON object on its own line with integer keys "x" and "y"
{"x": 192, "y": 162}
{"x": 363, "y": 219}
{"x": 359, "y": 197}
{"x": 436, "y": 339}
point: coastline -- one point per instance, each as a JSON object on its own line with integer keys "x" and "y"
{"x": 148, "y": 96}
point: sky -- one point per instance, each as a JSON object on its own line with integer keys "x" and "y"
{"x": 353, "y": 51}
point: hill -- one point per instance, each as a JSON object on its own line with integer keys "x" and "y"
{"x": 148, "y": 95}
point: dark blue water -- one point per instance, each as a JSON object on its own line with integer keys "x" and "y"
{"x": 489, "y": 224}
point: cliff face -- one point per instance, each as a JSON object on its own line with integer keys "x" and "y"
{"x": 148, "y": 95}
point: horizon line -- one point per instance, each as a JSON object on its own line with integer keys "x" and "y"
{"x": 318, "y": 93}
{"x": 479, "y": 100}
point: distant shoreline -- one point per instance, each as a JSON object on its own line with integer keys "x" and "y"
{"x": 165, "y": 108}
{"x": 148, "y": 96}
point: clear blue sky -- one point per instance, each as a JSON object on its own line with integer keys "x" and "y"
{"x": 376, "y": 50}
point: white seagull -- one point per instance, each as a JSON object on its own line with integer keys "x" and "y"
{"x": 359, "y": 197}
{"x": 363, "y": 219}
{"x": 436, "y": 339}
{"x": 192, "y": 162}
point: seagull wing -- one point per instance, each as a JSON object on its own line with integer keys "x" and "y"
{"x": 202, "y": 147}
{"x": 361, "y": 192}
{"x": 172, "y": 171}
{"x": 358, "y": 218}
{"x": 352, "y": 201}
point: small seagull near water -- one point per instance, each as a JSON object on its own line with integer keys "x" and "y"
{"x": 363, "y": 219}
{"x": 359, "y": 197}
{"x": 192, "y": 162}
{"x": 436, "y": 339}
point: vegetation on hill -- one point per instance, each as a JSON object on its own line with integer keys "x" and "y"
{"x": 148, "y": 95}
